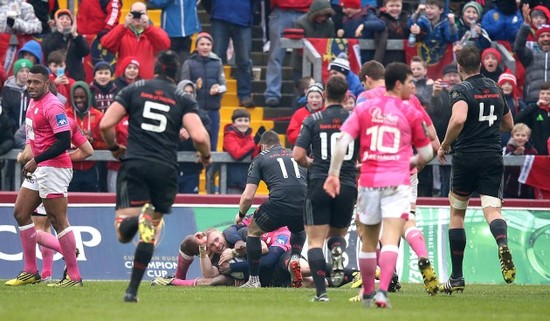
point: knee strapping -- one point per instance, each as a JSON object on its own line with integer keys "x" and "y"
{"x": 458, "y": 204}
{"x": 490, "y": 201}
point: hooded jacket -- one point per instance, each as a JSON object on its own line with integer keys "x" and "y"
{"x": 32, "y": 47}
{"x": 15, "y": 100}
{"x": 210, "y": 70}
{"x": 239, "y": 145}
{"x": 87, "y": 120}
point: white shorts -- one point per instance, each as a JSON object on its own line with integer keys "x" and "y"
{"x": 414, "y": 188}
{"x": 30, "y": 183}
{"x": 51, "y": 182}
{"x": 377, "y": 203}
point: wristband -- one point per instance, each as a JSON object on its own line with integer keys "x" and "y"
{"x": 114, "y": 148}
{"x": 241, "y": 215}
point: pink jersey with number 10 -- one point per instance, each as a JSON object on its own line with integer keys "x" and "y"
{"x": 45, "y": 118}
{"x": 386, "y": 126}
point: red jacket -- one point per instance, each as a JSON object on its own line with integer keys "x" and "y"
{"x": 93, "y": 18}
{"x": 64, "y": 90}
{"x": 297, "y": 5}
{"x": 293, "y": 129}
{"x": 239, "y": 145}
{"x": 123, "y": 40}
{"x": 90, "y": 123}
{"x": 121, "y": 130}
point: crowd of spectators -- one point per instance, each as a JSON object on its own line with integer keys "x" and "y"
{"x": 91, "y": 57}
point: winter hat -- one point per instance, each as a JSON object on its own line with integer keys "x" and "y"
{"x": 340, "y": 64}
{"x": 540, "y": 11}
{"x": 354, "y": 4}
{"x": 450, "y": 68}
{"x": 491, "y": 51}
{"x": 62, "y": 12}
{"x": 507, "y": 77}
{"x": 350, "y": 94}
{"x": 21, "y": 63}
{"x": 204, "y": 35}
{"x": 101, "y": 65}
{"x": 121, "y": 66}
{"x": 240, "y": 113}
{"x": 541, "y": 30}
{"x": 474, "y": 5}
{"x": 316, "y": 87}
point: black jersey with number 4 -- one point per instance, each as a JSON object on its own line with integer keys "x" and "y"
{"x": 321, "y": 131}
{"x": 285, "y": 179}
{"x": 155, "y": 110}
{"x": 486, "y": 106}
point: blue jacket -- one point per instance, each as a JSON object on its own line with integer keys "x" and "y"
{"x": 179, "y": 17}
{"x": 210, "y": 70}
{"x": 435, "y": 38}
{"x": 34, "y": 48}
{"x": 501, "y": 27}
{"x": 369, "y": 18}
{"x": 354, "y": 84}
{"x": 238, "y": 12}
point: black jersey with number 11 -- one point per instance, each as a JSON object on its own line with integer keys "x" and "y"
{"x": 486, "y": 106}
{"x": 155, "y": 111}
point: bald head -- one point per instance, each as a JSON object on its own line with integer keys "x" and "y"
{"x": 139, "y": 7}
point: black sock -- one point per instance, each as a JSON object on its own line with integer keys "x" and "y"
{"x": 142, "y": 257}
{"x": 128, "y": 228}
{"x": 337, "y": 240}
{"x": 457, "y": 244}
{"x": 253, "y": 252}
{"x": 297, "y": 241}
{"x": 499, "y": 228}
{"x": 317, "y": 264}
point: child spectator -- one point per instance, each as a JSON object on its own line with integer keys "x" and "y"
{"x": 518, "y": 145}
{"x": 508, "y": 83}
{"x": 503, "y": 22}
{"x": 85, "y": 173}
{"x": 63, "y": 83}
{"x": 490, "y": 63}
{"x": 127, "y": 72}
{"x": 103, "y": 88}
{"x": 395, "y": 20}
{"x": 340, "y": 67}
{"x": 239, "y": 143}
{"x": 434, "y": 29}
{"x": 205, "y": 69}
{"x": 363, "y": 22}
{"x": 189, "y": 173}
{"x": 15, "y": 97}
{"x": 469, "y": 27}
{"x": 349, "y": 101}
{"x": 423, "y": 84}
{"x": 32, "y": 51}
{"x": 538, "y": 17}
{"x": 301, "y": 90}
{"x": 537, "y": 117}
{"x": 314, "y": 96}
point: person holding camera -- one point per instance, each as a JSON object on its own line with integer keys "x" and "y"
{"x": 139, "y": 38}
{"x": 440, "y": 112}
{"x": 66, "y": 37}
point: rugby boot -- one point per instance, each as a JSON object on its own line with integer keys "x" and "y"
{"x": 506, "y": 264}
{"x": 66, "y": 282}
{"x": 381, "y": 300}
{"x": 145, "y": 224}
{"x": 24, "y": 278}
{"x": 453, "y": 285}
{"x": 428, "y": 274}
{"x": 295, "y": 272}
{"x": 337, "y": 274}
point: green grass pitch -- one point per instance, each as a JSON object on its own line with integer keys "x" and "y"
{"x": 102, "y": 301}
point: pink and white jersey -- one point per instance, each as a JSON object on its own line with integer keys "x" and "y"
{"x": 77, "y": 136}
{"x": 371, "y": 94}
{"x": 386, "y": 127}
{"x": 45, "y": 118}
{"x": 279, "y": 238}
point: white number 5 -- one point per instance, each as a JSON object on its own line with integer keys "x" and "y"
{"x": 490, "y": 118}
{"x": 151, "y": 111}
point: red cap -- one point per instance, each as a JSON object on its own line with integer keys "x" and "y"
{"x": 541, "y": 30}
{"x": 354, "y": 4}
{"x": 491, "y": 51}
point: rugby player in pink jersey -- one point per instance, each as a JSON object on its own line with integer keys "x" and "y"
{"x": 373, "y": 72}
{"x": 49, "y": 135}
{"x": 386, "y": 127}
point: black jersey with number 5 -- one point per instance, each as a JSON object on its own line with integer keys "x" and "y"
{"x": 321, "y": 131}
{"x": 285, "y": 179}
{"x": 155, "y": 111}
{"x": 486, "y": 106}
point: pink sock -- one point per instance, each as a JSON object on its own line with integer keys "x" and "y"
{"x": 180, "y": 282}
{"x": 367, "y": 266}
{"x": 388, "y": 258}
{"x": 47, "y": 261}
{"x": 28, "y": 240}
{"x": 68, "y": 249}
{"x": 184, "y": 262}
{"x": 414, "y": 236}
{"x": 48, "y": 240}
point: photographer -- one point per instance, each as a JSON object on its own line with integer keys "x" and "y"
{"x": 66, "y": 37}
{"x": 440, "y": 112}
{"x": 138, "y": 38}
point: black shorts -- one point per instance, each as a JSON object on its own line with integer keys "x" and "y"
{"x": 270, "y": 220}
{"x": 481, "y": 173}
{"x": 140, "y": 182}
{"x": 321, "y": 209}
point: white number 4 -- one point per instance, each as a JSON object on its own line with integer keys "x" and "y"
{"x": 490, "y": 118}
